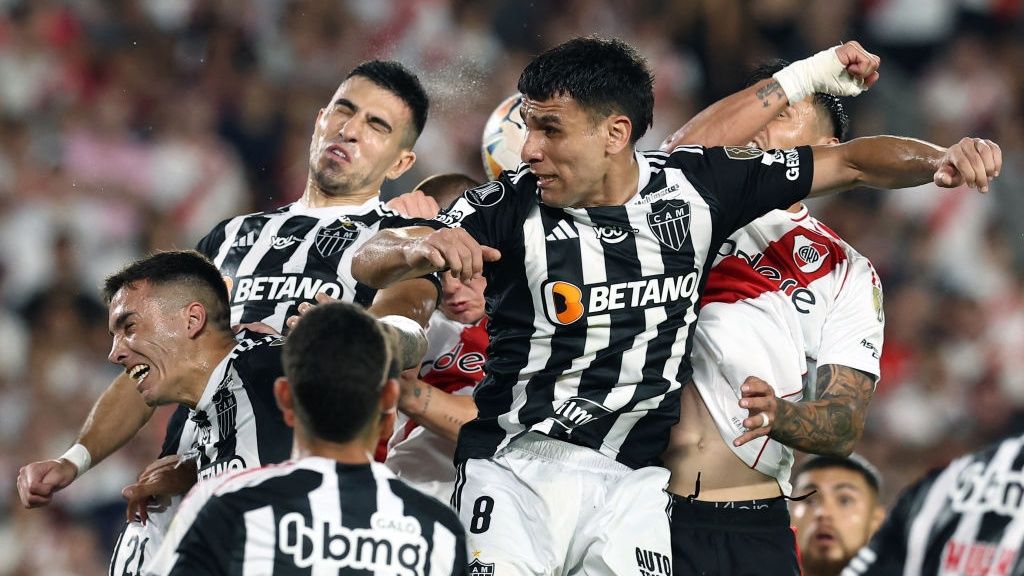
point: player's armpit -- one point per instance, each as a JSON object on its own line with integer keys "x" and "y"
{"x": 833, "y": 422}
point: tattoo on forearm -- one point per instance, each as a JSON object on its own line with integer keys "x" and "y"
{"x": 769, "y": 89}
{"x": 833, "y": 421}
{"x": 426, "y": 400}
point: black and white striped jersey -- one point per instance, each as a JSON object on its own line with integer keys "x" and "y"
{"x": 273, "y": 261}
{"x": 593, "y": 309}
{"x": 965, "y": 519}
{"x": 236, "y": 423}
{"x": 312, "y": 516}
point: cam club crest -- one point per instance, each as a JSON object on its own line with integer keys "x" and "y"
{"x": 333, "y": 239}
{"x": 670, "y": 223}
{"x": 478, "y": 568}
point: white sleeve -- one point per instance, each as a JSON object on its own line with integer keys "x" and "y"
{"x": 852, "y": 333}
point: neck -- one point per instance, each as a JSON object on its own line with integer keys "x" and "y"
{"x": 357, "y": 451}
{"x": 200, "y": 366}
{"x": 315, "y": 197}
{"x": 619, "y": 184}
{"x": 795, "y": 207}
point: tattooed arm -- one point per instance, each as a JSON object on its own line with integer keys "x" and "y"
{"x": 436, "y": 410}
{"x": 733, "y": 120}
{"x": 830, "y": 419}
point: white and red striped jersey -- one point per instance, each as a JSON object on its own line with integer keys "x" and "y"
{"x": 785, "y": 295}
{"x": 454, "y": 363}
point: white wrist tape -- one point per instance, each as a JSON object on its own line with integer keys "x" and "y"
{"x": 822, "y": 72}
{"x": 80, "y": 457}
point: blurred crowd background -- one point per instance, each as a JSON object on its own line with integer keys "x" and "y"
{"x": 133, "y": 125}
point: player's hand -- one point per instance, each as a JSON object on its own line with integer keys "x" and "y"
{"x": 257, "y": 327}
{"x": 39, "y": 481}
{"x": 971, "y": 161}
{"x": 157, "y": 483}
{"x": 454, "y": 249}
{"x": 859, "y": 62}
{"x": 758, "y": 398}
{"x": 305, "y": 307}
{"x": 414, "y": 204}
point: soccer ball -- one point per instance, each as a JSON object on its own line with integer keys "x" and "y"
{"x": 504, "y": 135}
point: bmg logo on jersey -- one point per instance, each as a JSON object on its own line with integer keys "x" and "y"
{"x": 397, "y": 549}
{"x": 565, "y": 303}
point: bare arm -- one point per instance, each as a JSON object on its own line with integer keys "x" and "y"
{"x": 114, "y": 420}
{"x": 733, "y": 120}
{"x": 404, "y": 253}
{"x": 434, "y": 409}
{"x": 895, "y": 162}
{"x": 832, "y": 421}
{"x": 415, "y": 299}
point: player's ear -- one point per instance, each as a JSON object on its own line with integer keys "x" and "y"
{"x": 285, "y": 402}
{"x": 619, "y": 129}
{"x": 877, "y": 517}
{"x": 196, "y": 316}
{"x": 406, "y": 158}
{"x": 388, "y": 408}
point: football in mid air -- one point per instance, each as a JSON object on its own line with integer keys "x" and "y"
{"x": 503, "y": 138}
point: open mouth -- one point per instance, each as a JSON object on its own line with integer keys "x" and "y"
{"x": 138, "y": 373}
{"x": 338, "y": 153}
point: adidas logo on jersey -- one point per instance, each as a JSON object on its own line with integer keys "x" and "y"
{"x": 563, "y": 231}
{"x": 245, "y": 241}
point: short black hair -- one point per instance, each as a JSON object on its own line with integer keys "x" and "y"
{"x": 401, "y": 82}
{"x": 832, "y": 105}
{"x": 336, "y": 360}
{"x": 446, "y": 188}
{"x": 854, "y": 462}
{"x": 187, "y": 268}
{"x": 603, "y": 76}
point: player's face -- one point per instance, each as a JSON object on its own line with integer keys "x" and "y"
{"x": 359, "y": 139}
{"x": 798, "y": 125}
{"x": 149, "y": 335}
{"x": 566, "y": 149}
{"x": 460, "y": 301}
{"x": 832, "y": 524}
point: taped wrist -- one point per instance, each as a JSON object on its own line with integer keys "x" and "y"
{"x": 822, "y": 72}
{"x": 80, "y": 457}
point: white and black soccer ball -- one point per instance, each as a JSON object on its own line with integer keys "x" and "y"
{"x": 503, "y": 138}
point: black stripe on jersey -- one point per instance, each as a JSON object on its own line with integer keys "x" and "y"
{"x": 251, "y": 228}
{"x": 429, "y": 511}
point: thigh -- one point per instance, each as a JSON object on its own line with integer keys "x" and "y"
{"x": 739, "y": 549}
{"x": 506, "y": 531}
{"x": 629, "y": 534}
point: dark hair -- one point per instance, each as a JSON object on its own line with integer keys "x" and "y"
{"x": 831, "y": 105}
{"x": 853, "y": 462}
{"x": 186, "y": 268}
{"x": 446, "y": 188}
{"x": 603, "y": 76}
{"x": 336, "y": 360}
{"x": 401, "y": 82}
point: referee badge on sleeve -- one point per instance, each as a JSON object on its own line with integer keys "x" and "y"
{"x": 670, "y": 223}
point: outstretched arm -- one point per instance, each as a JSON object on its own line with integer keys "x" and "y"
{"x": 830, "y": 420}
{"x": 735, "y": 119}
{"x": 114, "y": 420}
{"x": 403, "y": 253}
{"x": 895, "y": 162}
{"x": 440, "y": 412}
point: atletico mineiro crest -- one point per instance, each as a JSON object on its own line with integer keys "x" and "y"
{"x": 670, "y": 223}
{"x": 478, "y": 568}
{"x": 333, "y": 239}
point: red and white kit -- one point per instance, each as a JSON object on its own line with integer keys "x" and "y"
{"x": 786, "y": 295}
{"x": 454, "y": 363}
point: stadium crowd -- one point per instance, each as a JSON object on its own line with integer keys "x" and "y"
{"x": 132, "y": 125}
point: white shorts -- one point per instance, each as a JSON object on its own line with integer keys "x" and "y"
{"x": 543, "y": 506}
{"x": 138, "y": 542}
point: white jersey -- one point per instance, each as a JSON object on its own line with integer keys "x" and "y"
{"x": 454, "y": 363}
{"x": 785, "y": 296}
